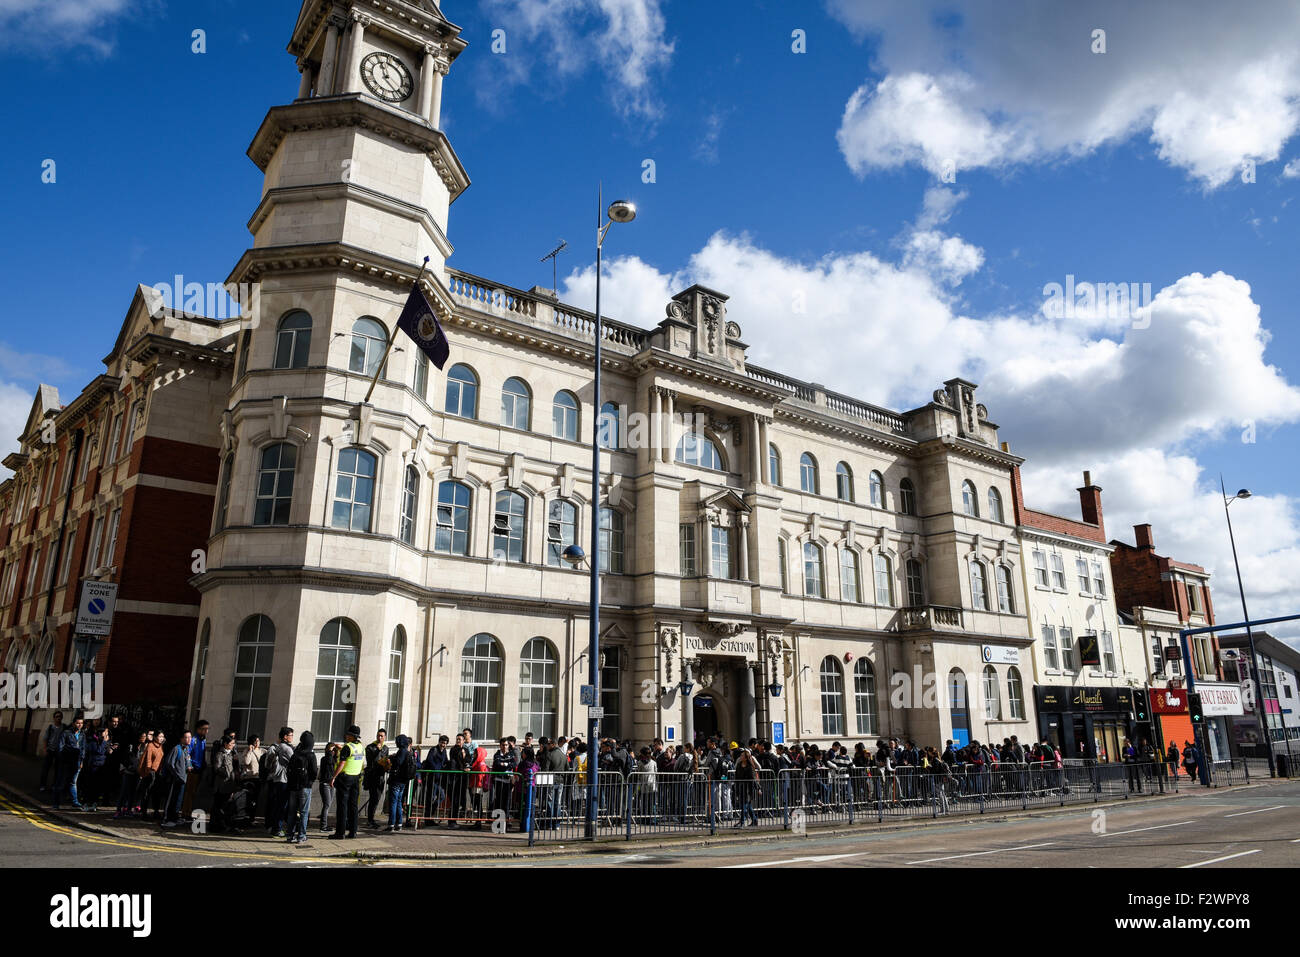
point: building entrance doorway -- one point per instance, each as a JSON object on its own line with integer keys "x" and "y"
{"x": 705, "y": 710}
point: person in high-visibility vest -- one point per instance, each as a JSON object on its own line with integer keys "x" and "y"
{"x": 347, "y": 783}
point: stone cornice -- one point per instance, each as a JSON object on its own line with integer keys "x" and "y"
{"x": 99, "y": 386}
{"x": 952, "y": 445}
{"x": 354, "y": 110}
{"x": 405, "y": 18}
{"x": 151, "y": 347}
{"x": 831, "y": 424}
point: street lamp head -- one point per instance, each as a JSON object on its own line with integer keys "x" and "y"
{"x": 622, "y": 211}
{"x": 574, "y": 555}
{"x": 1243, "y": 493}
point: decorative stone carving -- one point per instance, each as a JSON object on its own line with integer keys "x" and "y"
{"x": 981, "y": 412}
{"x": 675, "y": 310}
{"x": 723, "y": 629}
{"x": 941, "y": 398}
{"x": 733, "y": 331}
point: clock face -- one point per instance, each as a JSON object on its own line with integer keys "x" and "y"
{"x": 386, "y": 77}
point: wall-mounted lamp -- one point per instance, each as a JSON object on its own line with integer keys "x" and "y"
{"x": 775, "y": 689}
{"x": 686, "y": 687}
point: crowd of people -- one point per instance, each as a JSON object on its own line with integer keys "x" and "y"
{"x": 93, "y": 765}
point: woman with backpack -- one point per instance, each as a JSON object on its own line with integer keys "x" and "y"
{"x": 401, "y": 772}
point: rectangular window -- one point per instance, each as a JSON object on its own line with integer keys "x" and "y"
{"x": 1108, "y": 652}
{"x": 1058, "y": 571}
{"x": 884, "y": 581}
{"x": 784, "y": 561}
{"x": 421, "y": 374}
{"x": 110, "y": 543}
{"x": 1050, "y": 655}
{"x": 1040, "y": 567}
{"x": 68, "y": 549}
{"x": 686, "y": 550}
{"x": 110, "y": 447}
{"x": 84, "y": 466}
{"x": 1081, "y": 567}
{"x": 11, "y": 576}
{"x": 1098, "y": 579}
{"x": 720, "y": 553}
{"x": 1068, "y": 660}
{"x": 611, "y": 691}
{"x": 848, "y": 575}
{"x": 31, "y": 571}
{"x": 1193, "y": 598}
{"x": 92, "y": 549}
{"x": 1157, "y": 656}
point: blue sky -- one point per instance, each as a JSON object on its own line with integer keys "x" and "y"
{"x": 809, "y": 186}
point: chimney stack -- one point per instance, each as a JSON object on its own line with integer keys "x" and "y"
{"x": 1143, "y": 535}
{"x": 1090, "y": 504}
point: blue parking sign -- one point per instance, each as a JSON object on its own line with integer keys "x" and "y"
{"x": 778, "y": 732}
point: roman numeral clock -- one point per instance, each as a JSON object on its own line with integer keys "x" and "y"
{"x": 387, "y": 77}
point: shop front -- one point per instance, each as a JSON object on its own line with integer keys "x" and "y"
{"x": 1173, "y": 722}
{"x": 1085, "y": 722}
{"x": 1220, "y": 702}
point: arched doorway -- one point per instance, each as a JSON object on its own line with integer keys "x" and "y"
{"x": 957, "y": 695}
{"x": 704, "y": 708}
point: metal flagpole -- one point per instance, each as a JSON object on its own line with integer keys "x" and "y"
{"x": 392, "y": 337}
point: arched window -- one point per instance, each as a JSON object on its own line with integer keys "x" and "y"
{"x": 200, "y": 668}
{"x": 957, "y": 708}
{"x": 698, "y": 450}
{"x": 421, "y": 380}
{"x": 369, "y": 340}
{"x": 1015, "y": 694}
{"x": 773, "y": 465}
{"x": 1006, "y": 597}
{"x": 610, "y": 428}
{"x": 970, "y": 503}
{"x": 850, "y": 589}
{"x": 480, "y": 687}
{"x": 906, "y": 497}
{"x": 223, "y": 500}
{"x": 508, "y": 527}
{"x": 864, "y": 697}
{"x": 808, "y": 474}
{"x": 354, "y": 490}
{"x": 561, "y": 531}
{"x": 275, "y": 485}
{"x": 884, "y": 580}
{"x": 832, "y": 681}
{"x": 462, "y": 392}
{"x": 564, "y": 416}
{"x": 844, "y": 482}
{"x": 293, "y": 341}
{"x": 611, "y": 541}
{"x": 393, "y": 713}
{"x": 452, "y": 534}
{"x": 995, "y": 505}
{"x": 516, "y": 404}
{"x": 877, "y": 490}
{"x": 992, "y": 694}
{"x": 336, "y": 679}
{"x": 814, "y": 584}
{"x": 784, "y": 562}
{"x": 410, "y": 504}
{"x": 979, "y": 596}
{"x": 254, "y": 657}
{"x": 915, "y": 583}
{"x": 538, "y": 670}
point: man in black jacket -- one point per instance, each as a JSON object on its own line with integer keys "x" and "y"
{"x": 299, "y": 779}
{"x": 376, "y": 775}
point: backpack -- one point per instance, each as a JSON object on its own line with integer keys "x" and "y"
{"x": 270, "y": 762}
{"x": 298, "y": 768}
{"x": 724, "y": 765}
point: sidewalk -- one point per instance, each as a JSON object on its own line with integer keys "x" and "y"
{"x": 19, "y": 777}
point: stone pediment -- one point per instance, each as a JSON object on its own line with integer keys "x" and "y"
{"x": 727, "y": 499}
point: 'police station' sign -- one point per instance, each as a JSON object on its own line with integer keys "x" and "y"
{"x": 95, "y": 610}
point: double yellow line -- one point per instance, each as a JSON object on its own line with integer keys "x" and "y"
{"x": 34, "y": 819}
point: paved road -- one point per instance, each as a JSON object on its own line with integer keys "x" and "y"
{"x": 1252, "y": 827}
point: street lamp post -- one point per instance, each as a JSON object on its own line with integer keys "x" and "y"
{"x": 1250, "y": 635}
{"x": 620, "y": 211}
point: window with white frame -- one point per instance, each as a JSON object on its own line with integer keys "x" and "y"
{"x": 1108, "y": 652}
{"x": 611, "y": 540}
{"x": 773, "y": 465}
{"x": 369, "y": 341}
{"x": 1157, "y": 656}
{"x": 813, "y": 580}
{"x": 516, "y": 404}
{"x": 699, "y": 451}
{"x": 452, "y": 534}
{"x": 1051, "y": 656}
{"x": 538, "y": 669}
{"x": 1098, "y": 578}
{"x": 1068, "y": 660}
{"x": 808, "y": 474}
{"x": 844, "y": 482}
{"x": 251, "y": 689}
{"x": 462, "y": 392}
{"x": 336, "y": 679}
{"x": 30, "y": 585}
{"x": 979, "y": 596}
{"x": 1040, "y": 567}
{"x": 110, "y": 541}
{"x": 561, "y": 531}
{"x": 393, "y": 712}
{"x": 609, "y": 427}
{"x": 877, "y": 482}
{"x": 410, "y": 504}
{"x": 906, "y": 497}
{"x": 970, "y": 503}
{"x": 1015, "y": 694}
{"x": 783, "y": 561}
{"x": 832, "y": 687}
{"x": 884, "y": 571}
{"x": 481, "y": 665}
{"x": 114, "y": 436}
{"x": 1081, "y": 569}
{"x": 915, "y": 584}
{"x": 1006, "y": 597}
{"x": 720, "y": 557}
{"x": 354, "y": 490}
{"x": 849, "y": 589}
{"x": 992, "y": 694}
{"x": 864, "y": 697}
{"x": 68, "y": 549}
{"x": 92, "y": 550}
{"x": 508, "y": 526}
{"x": 275, "y": 485}
{"x": 421, "y": 379}
{"x": 995, "y": 505}
{"x": 564, "y": 416}
{"x": 1058, "y": 571}
{"x": 293, "y": 341}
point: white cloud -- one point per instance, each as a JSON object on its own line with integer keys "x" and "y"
{"x": 995, "y": 84}
{"x": 937, "y": 206}
{"x": 1127, "y": 404}
{"x": 51, "y": 24}
{"x": 948, "y": 258}
{"x": 1292, "y": 169}
{"x": 624, "y": 38}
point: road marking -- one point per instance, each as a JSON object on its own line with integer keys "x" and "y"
{"x": 1218, "y": 859}
{"x": 795, "y": 860}
{"x": 1258, "y": 811}
{"x": 1155, "y": 827}
{"x": 999, "y": 850}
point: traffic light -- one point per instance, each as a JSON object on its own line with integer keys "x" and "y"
{"x": 1194, "y": 709}
{"x": 1141, "y": 711}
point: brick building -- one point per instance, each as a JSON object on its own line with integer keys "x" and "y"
{"x": 116, "y": 485}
